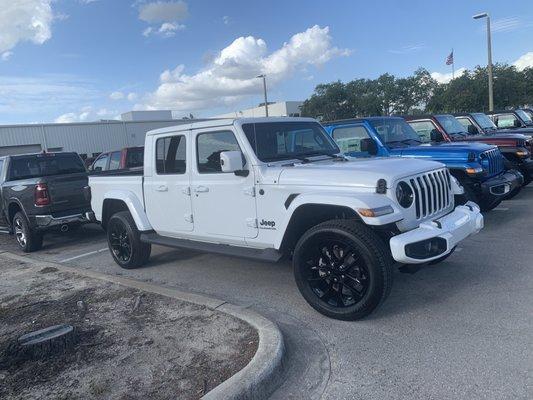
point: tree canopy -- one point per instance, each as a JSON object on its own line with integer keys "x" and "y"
{"x": 420, "y": 93}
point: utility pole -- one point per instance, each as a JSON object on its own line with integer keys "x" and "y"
{"x": 265, "y": 92}
{"x": 489, "y": 56}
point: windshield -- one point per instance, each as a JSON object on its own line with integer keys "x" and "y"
{"x": 484, "y": 121}
{"x": 274, "y": 141}
{"x": 450, "y": 124}
{"x": 395, "y": 131}
{"x": 529, "y": 112}
{"x": 524, "y": 117}
{"x": 36, "y": 166}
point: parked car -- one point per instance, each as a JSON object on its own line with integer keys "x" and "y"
{"x": 478, "y": 167}
{"x": 512, "y": 119}
{"x": 529, "y": 112}
{"x": 128, "y": 157}
{"x": 41, "y": 192}
{"x": 267, "y": 187}
{"x": 515, "y": 147}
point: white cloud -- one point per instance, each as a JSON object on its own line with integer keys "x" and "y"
{"x": 45, "y": 93}
{"x": 524, "y": 61}
{"x": 116, "y": 95}
{"x": 6, "y": 55}
{"x": 27, "y": 20}
{"x": 164, "y": 11}
{"x": 86, "y": 114}
{"x": 166, "y": 30}
{"x": 232, "y": 74}
{"x": 411, "y": 48}
{"x": 447, "y": 77}
{"x": 132, "y": 96}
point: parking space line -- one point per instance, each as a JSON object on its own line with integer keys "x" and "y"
{"x": 3, "y": 231}
{"x": 83, "y": 255}
{"x": 501, "y": 209}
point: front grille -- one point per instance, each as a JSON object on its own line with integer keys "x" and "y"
{"x": 492, "y": 161}
{"x": 432, "y": 191}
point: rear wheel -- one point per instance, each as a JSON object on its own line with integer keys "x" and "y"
{"x": 27, "y": 239}
{"x": 343, "y": 269}
{"x": 124, "y": 241}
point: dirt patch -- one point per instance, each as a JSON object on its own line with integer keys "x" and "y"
{"x": 129, "y": 344}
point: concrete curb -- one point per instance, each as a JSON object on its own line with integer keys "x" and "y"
{"x": 257, "y": 380}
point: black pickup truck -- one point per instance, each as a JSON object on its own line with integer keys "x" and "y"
{"x": 42, "y": 192}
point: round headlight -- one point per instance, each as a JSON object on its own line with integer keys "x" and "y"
{"x": 404, "y": 194}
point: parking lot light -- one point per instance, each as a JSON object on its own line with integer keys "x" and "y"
{"x": 489, "y": 55}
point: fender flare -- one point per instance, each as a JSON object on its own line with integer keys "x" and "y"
{"x": 351, "y": 200}
{"x": 134, "y": 205}
{"x": 14, "y": 200}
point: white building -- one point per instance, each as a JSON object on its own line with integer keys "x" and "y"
{"x": 280, "y": 109}
{"x": 85, "y": 138}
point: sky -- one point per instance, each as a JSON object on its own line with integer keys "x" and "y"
{"x": 85, "y": 60}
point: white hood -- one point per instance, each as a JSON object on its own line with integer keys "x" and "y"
{"x": 355, "y": 172}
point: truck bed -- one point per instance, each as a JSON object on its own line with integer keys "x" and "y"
{"x": 109, "y": 181}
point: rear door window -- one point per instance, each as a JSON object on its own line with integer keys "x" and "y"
{"x": 170, "y": 155}
{"x": 101, "y": 163}
{"x": 349, "y": 138}
{"x": 506, "y": 120}
{"x": 114, "y": 160}
{"x": 423, "y": 128}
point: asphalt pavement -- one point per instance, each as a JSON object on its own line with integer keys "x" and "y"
{"x": 462, "y": 329}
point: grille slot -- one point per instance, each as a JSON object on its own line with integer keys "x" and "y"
{"x": 494, "y": 161}
{"x": 432, "y": 192}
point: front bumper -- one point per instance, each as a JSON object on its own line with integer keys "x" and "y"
{"x": 436, "y": 238}
{"x": 526, "y": 168}
{"x": 501, "y": 185}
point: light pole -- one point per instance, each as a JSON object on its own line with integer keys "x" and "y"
{"x": 265, "y": 92}
{"x": 489, "y": 52}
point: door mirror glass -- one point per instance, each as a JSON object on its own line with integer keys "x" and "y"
{"x": 231, "y": 161}
{"x": 368, "y": 145}
{"x": 517, "y": 123}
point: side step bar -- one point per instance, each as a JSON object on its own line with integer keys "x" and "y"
{"x": 269, "y": 255}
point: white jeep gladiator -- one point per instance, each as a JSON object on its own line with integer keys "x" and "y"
{"x": 267, "y": 187}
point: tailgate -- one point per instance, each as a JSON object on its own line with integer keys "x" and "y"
{"x": 67, "y": 192}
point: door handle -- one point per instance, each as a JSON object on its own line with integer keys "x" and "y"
{"x": 201, "y": 189}
{"x": 162, "y": 188}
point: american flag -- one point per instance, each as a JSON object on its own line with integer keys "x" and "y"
{"x": 449, "y": 59}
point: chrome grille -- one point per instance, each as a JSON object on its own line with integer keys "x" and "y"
{"x": 493, "y": 161}
{"x": 432, "y": 191}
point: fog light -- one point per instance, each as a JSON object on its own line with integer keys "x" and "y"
{"x": 428, "y": 248}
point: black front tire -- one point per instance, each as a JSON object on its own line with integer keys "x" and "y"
{"x": 485, "y": 203}
{"x": 124, "y": 241}
{"x": 343, "y": 269}
{"x": 27, "y": 239}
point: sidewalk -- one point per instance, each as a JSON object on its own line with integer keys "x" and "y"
{"x": 130, "y": 343}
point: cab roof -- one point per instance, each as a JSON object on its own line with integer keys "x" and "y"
{"x": 213, "y": 123}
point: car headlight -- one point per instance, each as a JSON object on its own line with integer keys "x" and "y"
{"x": 404, "y": 194}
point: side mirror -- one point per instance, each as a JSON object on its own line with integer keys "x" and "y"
{"x": 435, "y": 136}
{"x": 472, "y": 130}
{"x": 517, "y": 123}
{"x": 231, "y": 161}
{"x": 368, "y": 145}
{"x": 97, "y": 169}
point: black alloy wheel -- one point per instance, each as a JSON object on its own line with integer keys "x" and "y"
{"x": 119, "y": 242}
{"x": 337, "y": 273}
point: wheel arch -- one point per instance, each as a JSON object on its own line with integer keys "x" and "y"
{"x": 14, "y": 206}
{"x": 306, "y": 216}
{"x": 116, "y": 201}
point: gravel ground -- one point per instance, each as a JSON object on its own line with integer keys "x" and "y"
{"x": 129, "y": 344}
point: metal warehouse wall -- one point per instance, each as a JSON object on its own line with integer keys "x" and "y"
{"x": 84, "y": 138}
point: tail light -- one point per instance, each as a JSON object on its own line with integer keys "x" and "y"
{"x": 42, "y": 197}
